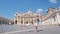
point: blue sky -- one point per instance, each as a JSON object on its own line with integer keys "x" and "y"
{"x": 9, "y": 7}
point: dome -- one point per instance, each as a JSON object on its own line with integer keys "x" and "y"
{"x": 39, "y": 10}
{"x": 29, "y": 11}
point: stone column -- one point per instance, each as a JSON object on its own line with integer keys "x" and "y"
{"x": 57, "y": 19}
{"x": 14, "y": 20}
{"x": 20, "y": 20}
{"x": 40, "y": 20}
{"x": 28, "y": 20}
{"x": 23, "y": 20}
{"x": 33, "y": 20}
{"x": 17, "y": 20}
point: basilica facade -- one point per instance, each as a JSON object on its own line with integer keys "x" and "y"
{"x": 28, "y": 18}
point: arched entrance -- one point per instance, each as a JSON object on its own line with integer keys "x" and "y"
{"x": 26, "y": 22}
{"x": 21, "y": 22}
{"x": 15, "y": 21}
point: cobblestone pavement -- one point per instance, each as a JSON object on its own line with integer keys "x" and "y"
{"x": 14, "y": 29}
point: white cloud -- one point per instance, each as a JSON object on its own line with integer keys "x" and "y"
{"x": 53, "y": 1}
{"x": 39, "y": 10}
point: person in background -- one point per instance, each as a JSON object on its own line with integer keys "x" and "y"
{"x": 36, "y": 24}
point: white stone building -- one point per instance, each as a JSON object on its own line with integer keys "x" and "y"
{"x": 28, "y": 18}
{"x": 51, "y": 17}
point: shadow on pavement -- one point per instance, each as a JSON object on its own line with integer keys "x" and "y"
{"x": 34, "y": 31}
{"x": 40, "y": 30}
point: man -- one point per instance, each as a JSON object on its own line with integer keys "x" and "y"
{"x": 36, "y": 24}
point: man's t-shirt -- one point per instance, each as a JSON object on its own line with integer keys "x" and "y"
{"x": 37, "y": 22}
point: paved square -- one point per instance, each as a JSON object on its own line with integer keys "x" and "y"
{"x": 30, "y": 30}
